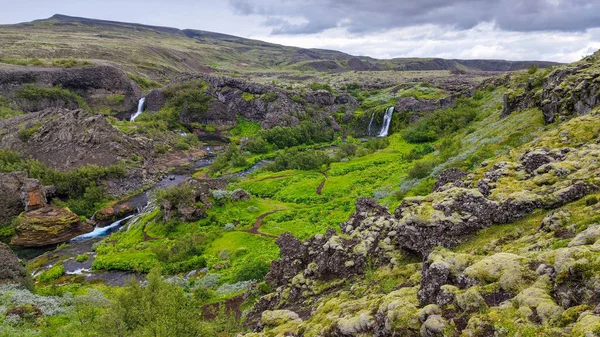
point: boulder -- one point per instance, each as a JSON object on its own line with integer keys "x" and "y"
{"x": 239, "y": 195}
{"x": 19, "y": 193}
{"x": 11, "y": 269}
{"x": 448, "y": 179}
{"x": 47, "y": 226}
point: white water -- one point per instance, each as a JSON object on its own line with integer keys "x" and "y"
{"x": 371, "y": 122}
{"x": 100, "y": 231}
{"x": 139, "y": 110}
{"x": 387, "y": 119}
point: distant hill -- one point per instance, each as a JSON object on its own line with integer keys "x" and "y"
{"x": 163, "y": 52}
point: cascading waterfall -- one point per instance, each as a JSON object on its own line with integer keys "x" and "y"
{"x": 101, "y": 231}
{"x": 139, "y": 110}
{"x": 371, "y": 122}
{"x": 387, "y": 119}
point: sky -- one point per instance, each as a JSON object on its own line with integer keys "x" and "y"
{"x": 552, "y": 30}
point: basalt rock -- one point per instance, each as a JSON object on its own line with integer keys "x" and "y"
{"x": 110, "y": 214}
{"x": 417, "y": 108}
{"x": 47, "y": 226}
{"x": 66, "y": 139}
{"x": 93, "y": 83}
{"x": 566, "y": 92}
{"x": 11, "y": 269}
{"x": 448, "y": 179}
{"x": 19, "y": 193}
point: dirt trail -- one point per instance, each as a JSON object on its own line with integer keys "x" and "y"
{"x": 322, "y": 184}
{"x": 259, "y": 222}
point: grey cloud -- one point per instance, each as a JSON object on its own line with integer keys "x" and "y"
{"x": 368, "y": 16}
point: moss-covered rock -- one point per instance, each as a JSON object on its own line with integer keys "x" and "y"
{"x": 47, "y": 226}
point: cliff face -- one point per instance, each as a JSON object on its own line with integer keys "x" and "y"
{"x": 568, "y": 91}
{"x": 11, "y": 269}
{"x": 95, "y": 84}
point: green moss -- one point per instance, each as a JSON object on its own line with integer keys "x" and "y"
{"x": 248, "y": 96}
{"x": 52, "y": 274}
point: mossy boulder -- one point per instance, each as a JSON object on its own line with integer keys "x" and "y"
{"x": 273, "y": 318}
{"x": 47, "y": 226}
{"x": 509, "y": 270}
{"x": 534, "y": 301}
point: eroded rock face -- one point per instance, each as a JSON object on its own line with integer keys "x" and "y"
{"x": 566, "y": 92}
{"x": 448, "y": 179}
{"x": 11, "y": 269}
{"x": 417, "y": 108}
{"x": 70, "y": 138}
{"x": 269, "y": 105}
{"x": 94, "y": 83}
{"x": 47, "y": 226}
{"x": 19, "y": 193}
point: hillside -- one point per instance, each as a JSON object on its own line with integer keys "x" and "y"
{"x": 161, "y": 53}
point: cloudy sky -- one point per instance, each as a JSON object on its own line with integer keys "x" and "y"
{"x": 555, "y": 30}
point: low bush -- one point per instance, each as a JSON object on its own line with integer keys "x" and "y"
{"x": 421, "y": 169}
{"x": 321, "y": 86}
{"x": 52, "y": 274}
{"x": 306, "y": 133}
{"x": 30, "y": 92}
{"x": 292, "y": 159}
{"x": 254, "y": 270}
{"x": 257, "y": 145}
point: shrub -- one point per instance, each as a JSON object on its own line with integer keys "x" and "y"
{"x": 248, "y": 96}
{"x": 232, "y": 288}
{"x": 375, "y": 144}
{"x": 82, "y": 258}
{"x": 305, "y": 133}
{"x": 257, "y": 145}
{"x": 52, "y": 274}
{"x": 421, "y": 169}
{"x": 419, "y": 151}
{"x": 30, "y": 92}
{"x": 320, "y": 86}
{"x": 254, "y": 270}
{"x": 269, "y": 97}
{"x": 348, "y": 149}
{"x": 292, "y": 159}
{"x": 26, "y": 133}
{"x": 219, "y": 195}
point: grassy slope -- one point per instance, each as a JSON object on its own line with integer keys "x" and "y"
{"x": 164, "y": 52}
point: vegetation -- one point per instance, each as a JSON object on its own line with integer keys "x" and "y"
{"x": 81, "y": 187}
{"x": 30, "y": 92}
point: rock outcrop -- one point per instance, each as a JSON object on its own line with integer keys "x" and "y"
{"x": 94, "y": 83}
{"x": 565, "y": 92}
{"x": 47, "y": 226}
{"x": 11, "y": 269}
{"x": 269, "y": 105}
{"x": 18, "y": 193}
{"x": 70, "y": 138}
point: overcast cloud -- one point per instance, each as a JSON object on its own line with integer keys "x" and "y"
{"x": 557, "y": 30}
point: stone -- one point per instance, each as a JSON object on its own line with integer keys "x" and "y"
{"x": 47, "y": 226}
{"x": 12, "y": 270}
{"x": 239, "y": 195}
{"x": 19, "y": 193}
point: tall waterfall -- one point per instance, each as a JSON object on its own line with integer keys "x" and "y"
{"x": 371, "y": 122}
{"x": 139, "y": 110}
{"x": 387, "y": 119}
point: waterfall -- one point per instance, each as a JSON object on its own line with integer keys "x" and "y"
{"x": 387, "y": 119}
{"x": 371, "y": 122}
{"x": 139, "y": 110}
{"x": 101, "y": 231}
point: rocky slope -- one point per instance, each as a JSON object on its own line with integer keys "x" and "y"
{"x": 69, "y": 138}
{"x": 231, "y": 98}
{"x": 508, "y": 249}
{"x": 94, "y": 83}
